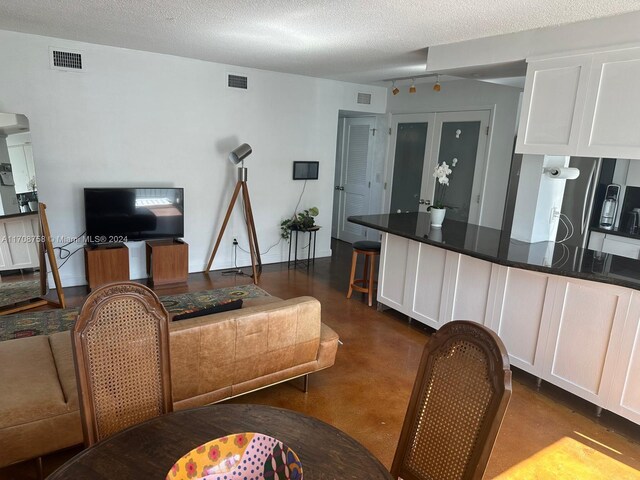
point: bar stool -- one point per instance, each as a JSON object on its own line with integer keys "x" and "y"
{"x": 366, "y": 284}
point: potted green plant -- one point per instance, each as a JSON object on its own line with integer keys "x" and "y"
{"x": 299, "y": 221}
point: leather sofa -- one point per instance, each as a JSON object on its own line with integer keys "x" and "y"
{"x": 213, "y": 358}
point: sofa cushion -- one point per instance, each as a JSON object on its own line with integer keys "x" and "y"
{"x": 31, "y": 389}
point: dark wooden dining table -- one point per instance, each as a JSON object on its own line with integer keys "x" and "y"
{"x": 150, "y": 449}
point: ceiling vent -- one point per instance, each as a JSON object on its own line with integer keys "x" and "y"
{"x": 237, "y": 81}
{"x": 65, "y": 59}
{"x": 364, "y": 98}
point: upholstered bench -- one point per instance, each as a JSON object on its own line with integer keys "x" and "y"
{"x": 213, "y": 358}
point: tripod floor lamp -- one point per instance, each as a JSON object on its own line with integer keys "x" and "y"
{"x": 237, "y": 156}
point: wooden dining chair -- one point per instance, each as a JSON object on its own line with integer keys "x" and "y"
{"x": 457, "y": 405}
{"x": 121, "y": 351}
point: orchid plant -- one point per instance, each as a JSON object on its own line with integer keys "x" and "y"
{"x": 442, "y": 173}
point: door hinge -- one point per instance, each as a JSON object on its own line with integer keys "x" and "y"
{"x": 373, "y": 132}
{"x": 385, "y": 186}
{"x": 369, "y": 184}
{"x": 487, "y": 132}
{"x": 478, "y": 199}
{"x": 389, "y": 130}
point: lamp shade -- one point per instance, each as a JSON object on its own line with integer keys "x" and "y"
{"x": 240, "y": 153}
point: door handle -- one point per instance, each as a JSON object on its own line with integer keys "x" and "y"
{"x": 424, "y": 202}
{"x": 338, "y": 187}
{"x": 341, "y": 188}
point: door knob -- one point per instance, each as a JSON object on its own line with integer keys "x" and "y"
{"x": 337, "y": 187}
{"x": 341, "y": 188}
{"x": 425, "y": 202}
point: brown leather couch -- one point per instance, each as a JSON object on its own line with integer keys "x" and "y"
{"x": 213, "y": 358}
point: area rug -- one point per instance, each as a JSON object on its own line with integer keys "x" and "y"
{"x": 14, "y": 292}
{"x": 50, "y": 321}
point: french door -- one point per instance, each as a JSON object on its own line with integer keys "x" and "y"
{"x": 422, "y": 141}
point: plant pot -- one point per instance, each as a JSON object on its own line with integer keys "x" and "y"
{"x": 437, "y": 216}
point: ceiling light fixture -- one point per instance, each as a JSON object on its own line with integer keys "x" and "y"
{"x": 395, "y": 89}
{"x": 412, "y": 88}
{"x": 436, "y": 86}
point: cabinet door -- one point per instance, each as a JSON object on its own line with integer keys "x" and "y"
{"x": 552, "y": 105}
{"x": 624, "y": 398}
{"x": 393, "y": 271}
{"x": 584, "y": 337}
{"x": 471, "y": 285}
{"x": 611, "y": 121}
{"x": 521, "y": 314}
{"x": 431, "y": 293}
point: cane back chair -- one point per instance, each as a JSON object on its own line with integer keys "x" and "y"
{"x": 121, "y": 351}
{"x": 458, "y": 402}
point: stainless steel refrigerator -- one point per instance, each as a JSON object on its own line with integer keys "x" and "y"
{"x": 579, "y": 200}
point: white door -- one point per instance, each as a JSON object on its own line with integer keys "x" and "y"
{"x": 462, "y": 136}
{"x": 354, "y": 189}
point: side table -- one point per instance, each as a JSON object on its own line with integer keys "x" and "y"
{"x": 106, "y": 264}
{"x": 312, "y": 241}
{"x": 167, "y": 261}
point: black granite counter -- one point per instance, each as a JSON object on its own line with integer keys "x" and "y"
{"x": 492, "y": 245}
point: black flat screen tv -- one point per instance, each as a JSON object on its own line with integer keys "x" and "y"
{"x": 126, "y": 214}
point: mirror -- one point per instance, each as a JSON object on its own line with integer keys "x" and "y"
{"x": 20, "y": 252}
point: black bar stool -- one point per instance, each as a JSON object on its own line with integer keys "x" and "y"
{"x": 367, "y": 283}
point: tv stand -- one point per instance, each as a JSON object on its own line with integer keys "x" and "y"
{"x": 167, "y": 261}
{"x": 106, "y": 263}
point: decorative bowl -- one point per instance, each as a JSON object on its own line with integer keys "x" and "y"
{"x": 241, "y": 456}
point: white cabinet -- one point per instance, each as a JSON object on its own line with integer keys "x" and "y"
{"x": 552, "y": 105}
{"x": 584, "y": 336}
{"x": 18, "y": 248}
{"x": 521, "y": 314}
{"x": 583, "y": 104}
{"x": 624, "y": 397}
{"x": 611, "y": 124}
{"x": 471, "y": 285}
{"x": 392, "y": 285}
{"x": 429, "y": 274}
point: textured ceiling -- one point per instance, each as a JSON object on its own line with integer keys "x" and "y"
{"x": 360, "y": 41}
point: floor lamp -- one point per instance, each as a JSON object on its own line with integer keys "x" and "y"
{"x": 237, "y": 156}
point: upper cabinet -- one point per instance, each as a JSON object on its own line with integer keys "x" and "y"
{"x": 585, "y": 105}
{"x": 552, "y": 106}
{"x": 611, "y": 123}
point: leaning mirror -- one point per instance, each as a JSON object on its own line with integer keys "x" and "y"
{"x": 20, "y": 252}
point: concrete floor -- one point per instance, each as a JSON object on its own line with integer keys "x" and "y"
{"x": 547, "y": 433}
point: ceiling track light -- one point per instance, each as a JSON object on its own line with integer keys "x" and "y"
{"x": 436, "y": 86}
{"x": 395, "y": 90}
{"x": 412, "y": 88}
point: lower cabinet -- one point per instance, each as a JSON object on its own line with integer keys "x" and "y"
{"x": 522, "y": 306}
{"x": 624, "y": 395}
{"x": 584, "y": 336}
{"x": 580, "y": 335}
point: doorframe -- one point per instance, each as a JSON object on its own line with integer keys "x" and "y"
{"x": 389, "y": 161}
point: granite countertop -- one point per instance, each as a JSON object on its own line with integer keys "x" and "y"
{"x": 492, "y": 245}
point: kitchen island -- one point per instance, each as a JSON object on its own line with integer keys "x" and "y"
{"x": 570, "y": 316}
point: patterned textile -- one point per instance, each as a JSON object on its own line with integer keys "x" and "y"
{"x": 46, "y": 322}
{"x": 14, "y": 292}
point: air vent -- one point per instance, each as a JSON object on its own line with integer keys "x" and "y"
{"x": 66, "y": 60}
{"x": 364, "y": 98}
{"x": 237, "y": 81}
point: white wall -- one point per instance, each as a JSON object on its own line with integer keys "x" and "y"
{"x": 473, "y": 95}
{"x": 141, "y": 119}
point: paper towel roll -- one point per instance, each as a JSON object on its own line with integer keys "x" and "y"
{"x": 562, "y": 173}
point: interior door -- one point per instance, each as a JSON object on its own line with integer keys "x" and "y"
{"x": 411, "y": 140}
{"x": 462, "y": 136}
{"x": 355, "y": 186}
